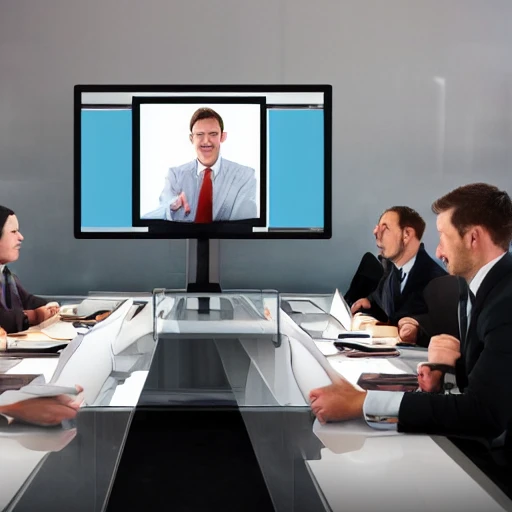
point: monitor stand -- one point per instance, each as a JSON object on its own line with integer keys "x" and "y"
{"x": 203, "y": 266}
{"x": 203, "y": 269}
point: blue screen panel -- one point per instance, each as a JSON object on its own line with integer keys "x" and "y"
{"x": 296, "y": 168}
{"x": 106, "y": 168}
{"x": 295, "y": 173}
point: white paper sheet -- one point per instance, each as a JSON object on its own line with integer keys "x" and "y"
{"x": 341, "y": 311}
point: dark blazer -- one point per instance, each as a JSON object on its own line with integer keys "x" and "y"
{"x": 411, "y": 301}
{"x": 15, "y": 320}
{"x": 484, "y": 409}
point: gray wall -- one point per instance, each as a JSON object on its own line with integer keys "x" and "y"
{"x": 422, "y": 103}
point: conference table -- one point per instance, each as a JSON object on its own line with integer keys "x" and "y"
{"x": 205, "y": 410}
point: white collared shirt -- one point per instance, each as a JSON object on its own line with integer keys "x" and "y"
{"x": 215, "y": 167}
{"x": 406, "y": 270}
{"x": 475, "y": 283}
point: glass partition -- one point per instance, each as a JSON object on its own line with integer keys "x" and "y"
{"x": 232, "y": 312}
{"x": 69, "y": 468}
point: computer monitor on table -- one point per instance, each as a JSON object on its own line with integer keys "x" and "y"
{"x": 144, "y": 152}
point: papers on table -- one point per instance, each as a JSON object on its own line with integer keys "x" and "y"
{"x": 341, "y": 311}
{"x": 48, "y": 332}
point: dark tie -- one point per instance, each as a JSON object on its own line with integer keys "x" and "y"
{"x": 463, "y": 311}
{"x": 393, "y": 290}
{"x": 205, "y": 202}
{"x": 7, "y": 288}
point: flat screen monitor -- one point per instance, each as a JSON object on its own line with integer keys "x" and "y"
{"x": 209, "y": 161}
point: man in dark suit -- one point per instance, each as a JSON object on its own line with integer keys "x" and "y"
{"x": 400, "y": 291}
{"x": 18, "y": 308}
{"x": 475, "y": 229}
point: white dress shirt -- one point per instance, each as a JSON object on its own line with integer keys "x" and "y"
{"x": 475, "y": 283}
{"x": 378, "y": 404}
{"x": 199, "y": 169}
{"x": 215, "y": 168}
{"x": 406, "y": 270}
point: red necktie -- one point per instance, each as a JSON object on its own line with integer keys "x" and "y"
{"x": 205, "y": 203}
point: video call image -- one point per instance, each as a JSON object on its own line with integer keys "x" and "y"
{"x": 200, "y": 162}
{"x": 141, "y": 168}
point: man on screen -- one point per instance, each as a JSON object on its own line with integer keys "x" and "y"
{"x": 209, "y": 188}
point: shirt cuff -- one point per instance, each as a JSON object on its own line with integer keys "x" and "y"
{"x": 381, "y": 408}
{"x": 450, "y": 384}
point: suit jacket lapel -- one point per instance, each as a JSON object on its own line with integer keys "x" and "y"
{"x": 221, "y": 189}
{"x": 492, "y": 279}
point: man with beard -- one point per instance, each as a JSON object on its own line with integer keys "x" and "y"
{"x": 400, "y": 291}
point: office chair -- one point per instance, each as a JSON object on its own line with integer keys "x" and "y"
{"x": 367, "y": 277}
{"x": 442, "y": 299}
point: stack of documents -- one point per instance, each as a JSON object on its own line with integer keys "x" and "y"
{"x": 52, "y": 333}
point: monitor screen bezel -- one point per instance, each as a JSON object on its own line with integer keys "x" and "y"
{"x": 232, "y": 230}
{"x": 192, "y": 230}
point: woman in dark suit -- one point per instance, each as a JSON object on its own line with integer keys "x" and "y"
{"x": 18, "y": 308}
